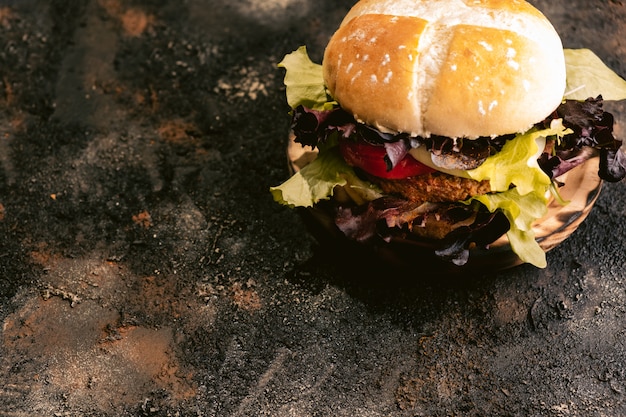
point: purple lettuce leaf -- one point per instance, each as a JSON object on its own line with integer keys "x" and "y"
{"x": 592, "y": 129}
{"x": 387, "y": 219}
{"x": 312, "y": 127}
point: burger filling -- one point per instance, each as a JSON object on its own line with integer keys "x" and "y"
{"x": 456, "y": 193}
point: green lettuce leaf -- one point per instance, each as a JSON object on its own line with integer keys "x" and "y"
{"x": 314, "y": 182}
{"x": 521, "y": 211}
{"x": 304, "y": 80}
{"x": 588, "y": 76}
{"x": 517, "y": 164}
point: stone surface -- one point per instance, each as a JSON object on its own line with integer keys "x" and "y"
{"x": 145, "y": 269}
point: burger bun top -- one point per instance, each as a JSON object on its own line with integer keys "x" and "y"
{"x": 456, "y": 68}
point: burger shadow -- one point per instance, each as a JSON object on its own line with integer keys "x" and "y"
{"x": 392, "y": 282}
{"x": 410, "y": 298}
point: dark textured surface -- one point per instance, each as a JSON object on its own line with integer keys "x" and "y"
{"x": 145, "y": 270}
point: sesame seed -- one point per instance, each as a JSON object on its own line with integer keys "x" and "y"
{"x": 486, "y": 45}
{"x": 481, "y": 108}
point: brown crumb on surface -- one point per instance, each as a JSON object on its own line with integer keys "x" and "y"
{"x": 246, "y": 297}
{"x": 143, "y": 219}
{"x": 407, "y": 394}
{"x": 42, "y": 256}
{"x": 135, "y": 22}
{"x": 6, "y": 14}
{"x": 178, "y": 132}
{"x": 8, "y": 88}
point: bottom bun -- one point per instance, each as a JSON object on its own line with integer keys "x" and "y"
{"x": 581, "y": 189}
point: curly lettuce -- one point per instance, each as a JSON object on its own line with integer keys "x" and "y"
{"x": 521, "y": 211}
{"x": 304, "y": 80}
{"x": 517, "y": 164}
{"x": 314, "y": 182}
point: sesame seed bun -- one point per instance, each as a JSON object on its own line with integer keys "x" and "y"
{"x": 456, "y": 68}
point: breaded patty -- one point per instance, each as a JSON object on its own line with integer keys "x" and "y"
{"x": 436, "y": 187}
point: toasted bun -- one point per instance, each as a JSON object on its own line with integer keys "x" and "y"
{"x": 457, "y": 68}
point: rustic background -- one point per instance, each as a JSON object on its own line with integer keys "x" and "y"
{"x": 146, "y": 271}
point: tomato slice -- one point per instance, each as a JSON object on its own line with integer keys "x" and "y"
{"x": 371, "y": 159}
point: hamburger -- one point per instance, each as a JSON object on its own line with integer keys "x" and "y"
{"x": 449, "y": 123}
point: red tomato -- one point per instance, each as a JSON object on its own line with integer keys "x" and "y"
{"x": 371, "y": 159}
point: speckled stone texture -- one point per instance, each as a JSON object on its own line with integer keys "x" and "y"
{"x": 146, "y": 271}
